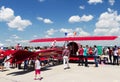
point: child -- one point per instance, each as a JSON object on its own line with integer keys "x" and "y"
{"x": 37, "y": 69}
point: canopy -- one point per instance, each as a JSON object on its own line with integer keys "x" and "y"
{"x": 75, "y": 38}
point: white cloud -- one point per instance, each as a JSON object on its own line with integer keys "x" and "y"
{"x": 78, "y": 30}
{"x": 48, "y": 21}
{"x": 6, "y": 14}
{"x": 35, "y": 36}
{"x": 110, "y": 10}
{"x": 8, "y": 40}
{"x": 95, "y": 1}
{"x": 19, "y": 24}
{"x": 68, "y": 31}
{"x": 118, "y": 18}
{"x": 14, "y": 41}
{"x": 111, "y": 2}
{"x": 73, "y": 19}
{"x": 22, "y": 41}
{"x": 45, "y": 20}
{"x": 1, "y": 44}
{"x": 81, "y": 32}
{"x": 77, "y": 18}
{"x": 51, "y": 31}
{"x": 65, "y": 30}
{"x": 86, "y": 18}
{"x": 16, "y": 22}
{"x": 41, "y": 0}
{"x": 40, "y": 18}
{"x": 99, "y": 31}
{"x": 47, "y": 36}
{"x": 108, "y": 23}
{"x": 15, "y": 37}
{"x": 82, "y": 7}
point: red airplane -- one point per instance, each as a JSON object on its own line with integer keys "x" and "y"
{"x": 20, "y": 55}
{"x": 72, "y": 42}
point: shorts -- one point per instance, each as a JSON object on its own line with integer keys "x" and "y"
{"x": 37, "y": 71}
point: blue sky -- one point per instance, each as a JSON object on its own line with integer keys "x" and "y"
{"x": 25, "y": 20}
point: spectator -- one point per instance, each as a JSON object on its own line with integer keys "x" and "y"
{"x": 37, "y": 69}
{"x": 115, "y": 56}
{"x": 66, "y": 54}
{"x": 109, "y": 52}
{"x": 85, "y": 53}
{"x": 80, "y": 55}
{"x": 95, "y": 55}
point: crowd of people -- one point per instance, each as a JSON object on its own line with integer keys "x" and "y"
{"x": 110, "y": 55}
{"x": 113, "y": 54}
{"x": 82, "y": 55}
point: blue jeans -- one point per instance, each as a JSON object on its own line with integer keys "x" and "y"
{"x": 96, "y": 61}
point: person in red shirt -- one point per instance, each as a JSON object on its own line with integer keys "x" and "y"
{"x": 80, "y": 52}
{"x": 90, "y": 51}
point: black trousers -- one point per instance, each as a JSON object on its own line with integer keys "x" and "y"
{"x": 110, "y": 58}
{"x": 81, "y": 60}
{"x": 115, "y": 60}
{"x": 86, "y": 61}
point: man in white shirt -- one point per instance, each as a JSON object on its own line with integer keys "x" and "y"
{"x": 115, "y": 56}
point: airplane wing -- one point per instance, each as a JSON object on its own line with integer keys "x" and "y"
{"x": 74, "y": 38}
{"x": 1, "y": 51}
{"x": 20, "y": 55}
{"x": 9, "y": 52}
{"x": 49, "y": 52}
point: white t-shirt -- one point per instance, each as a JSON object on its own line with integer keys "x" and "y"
{"x": 37, "y": 64}
{"x": 96, "y": 52}
{"x": 115, "y": 52}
